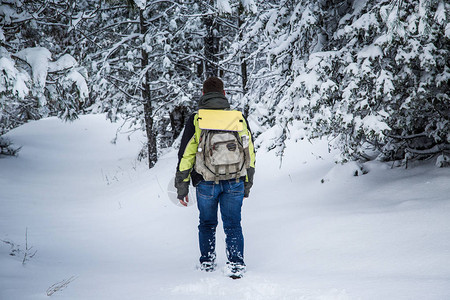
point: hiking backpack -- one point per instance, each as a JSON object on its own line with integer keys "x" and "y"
{"x": 223, "y": 149}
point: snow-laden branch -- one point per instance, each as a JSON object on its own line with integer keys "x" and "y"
{"x": 203, "y": 58}
{"x": 162, "y": 1}
{"x": 228, "y": 23}
{"x": 117, "y": 45}
{"x": 95, "y": 33}
{"x": 434, "y": 150}
{"x": 122, "y": 90}
{"x": 407, "y": 137}
{"x": 198, "y": 15}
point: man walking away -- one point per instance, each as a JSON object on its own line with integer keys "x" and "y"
{"x": 217, "y": 155}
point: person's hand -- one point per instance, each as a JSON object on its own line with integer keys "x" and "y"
{"x": 184, "y": 201}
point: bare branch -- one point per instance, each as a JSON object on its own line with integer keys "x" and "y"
{"x": 123, "y": 41}
{"x": 107, "y": 27}
{"x": 59, "y": 286}
{"x": 124, "y": 92}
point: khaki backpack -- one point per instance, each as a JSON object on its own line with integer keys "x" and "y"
{"x": 223, "y": 151}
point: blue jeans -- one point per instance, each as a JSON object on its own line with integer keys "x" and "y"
{"x": 229, "y": 194}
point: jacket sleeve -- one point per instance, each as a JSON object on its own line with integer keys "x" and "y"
{"x": 251, "y": 170}
{"x": 186, "y": 158}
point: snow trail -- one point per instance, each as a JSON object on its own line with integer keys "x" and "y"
{"x": 93, "y": 212}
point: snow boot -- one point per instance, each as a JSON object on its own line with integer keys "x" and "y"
{"x": 208, "y": 266}
{"x": 234, "y": 270}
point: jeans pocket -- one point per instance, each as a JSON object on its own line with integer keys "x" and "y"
{"x": 205, "y": 190}
{"x": 237, "y": 188}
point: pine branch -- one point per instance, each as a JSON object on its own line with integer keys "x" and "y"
{"x": 407, "y": 137}
{"x": 434, "y": 150}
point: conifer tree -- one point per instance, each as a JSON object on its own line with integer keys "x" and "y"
{"x": 144, "y": 69}
{"x": 39, "y": 74}
{"x": 371, "y": 76}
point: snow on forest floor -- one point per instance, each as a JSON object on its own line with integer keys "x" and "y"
{"x": 101, "y": 220}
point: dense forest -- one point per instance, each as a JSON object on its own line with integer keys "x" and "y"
{"x": 371, "y": 76}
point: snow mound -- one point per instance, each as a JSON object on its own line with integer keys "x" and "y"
{"x": 97, "y": 215}
{"x": 345, "y": 170}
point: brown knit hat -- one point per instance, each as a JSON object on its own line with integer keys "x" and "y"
{"x": 213, "y": 84}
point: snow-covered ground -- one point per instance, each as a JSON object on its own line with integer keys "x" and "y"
{"x": 103, "y": 221}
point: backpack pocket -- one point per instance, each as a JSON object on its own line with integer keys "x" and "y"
{"x": 224, "y": 149}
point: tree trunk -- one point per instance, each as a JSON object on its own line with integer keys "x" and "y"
{"x": 147, "y": 102}
{"x": 243, "y": 61}
{"x": 211, "y": 42}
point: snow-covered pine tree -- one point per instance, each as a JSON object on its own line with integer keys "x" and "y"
{"x": 37, "y": 78}
{"x": 384, "y": 81}
{"x": 280, "y": 39}
{"x": 145, "y": 68}
{"x": 211, "y": 35}
{"x": 417, "y": 46}
{"x": 234, "y": 17}
{"x": 370, "y": 75}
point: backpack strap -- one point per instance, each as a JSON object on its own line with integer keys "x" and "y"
{"x": 238, "y": 172}
{"x": 216, "y": 175}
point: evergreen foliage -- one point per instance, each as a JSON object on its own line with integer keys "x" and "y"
{"x": 39, "y": 75}
{"x": 372, "y": 76}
